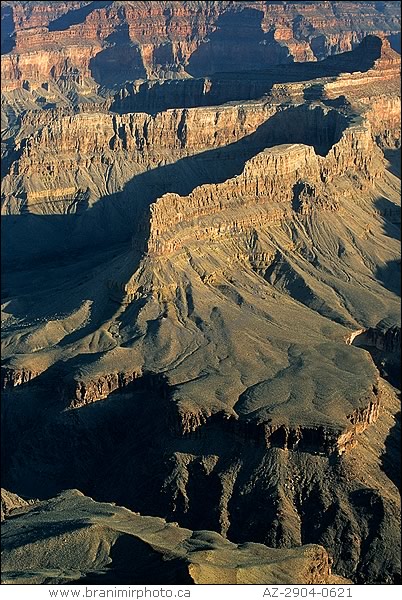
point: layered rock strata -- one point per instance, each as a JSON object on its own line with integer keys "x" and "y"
{"x": 299, "y": 497}
{"x": 163, "y": 39}
{"x": 268, "y": 181}
{"x": 373, "y": 63}
{"x": 273, "y": 186}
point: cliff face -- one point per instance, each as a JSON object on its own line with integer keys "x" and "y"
{"x": 384, "y": 116}
{"x": 82, "y": 158}
{"x": 269, "y": 181}
{"x": 283, "y": 183}
{"x": 99, "y": 151}
{"x": 388, "y": 340}
{"x": 384, "y": 345}
{"x": 303, "y": 501}
{"x": 166, "y": 39}
{"x": 374, "y": 60}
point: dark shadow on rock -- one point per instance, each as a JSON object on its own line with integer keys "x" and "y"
{"x": 87, "y": 447}
{"x": 383, "y": 342}
{"x": 124, "y": 216}
{"x": 135, "y": 562}
{"x": 238, "y": 44}
{"x": 387, "y": 363}
{"x": 391, "y": 215}
{"x": 240, "y": 81}
{"x": 390, "y": 276}
{"x": 76, "y": 16}
{"x": 313, "y": 92}
{"x": 391, "y": 459}
{"x": 7, "y": 29}
{"x": 119, "y": 62}
{"x": 395, "y": 41}
{"x": 339, "y": 103}
{"x": 10, "y": 153}
{"x": 37, "y": 531}
{"x": 298, "y": 188}
{"x": 394, "y": 161}
{"x": 369, "y": 505}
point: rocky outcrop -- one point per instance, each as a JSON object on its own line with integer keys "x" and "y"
{"x": 267, "y": 187}
{"x": 11, "y": 377}
{"x": 324, "y": 440}
{"x": 181, "y": 282}
{"x": 384, "y": 115}
{"x": 104, "y": 543}
{"x": 388, "y": 340}
{"x": 88, "y": 138}
{"x": 132, "y": 457}
{"x": 128, "y": 144}
{"x": 10, "y": 502}
{"x": 359, "y": 76}
{"x": 88, "y": 391}
{"x": 383, "y": 342}
{"x": 367, "y": 90}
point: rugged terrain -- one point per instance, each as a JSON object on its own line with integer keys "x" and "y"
{"x": 200, "y": 298}
{"x": 81, "y": 44}
{"x": 102, "y": 543}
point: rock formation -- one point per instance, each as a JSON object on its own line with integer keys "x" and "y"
{"x": 103, "y": 543}
{"x": 190, "y": 291}
{"x": 10, "y": 502}
{"x": 166, "y": 39}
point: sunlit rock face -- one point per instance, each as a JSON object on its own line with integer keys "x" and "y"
{"x": 110, "y": 42}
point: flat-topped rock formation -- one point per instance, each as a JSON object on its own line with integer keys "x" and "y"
{"x": 276, "y": 186}
{"x": 269, "y": 180}
{"x": 298, "y": 491}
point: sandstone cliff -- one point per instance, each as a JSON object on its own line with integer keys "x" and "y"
{"x": 267, "y": 181}
{"x": 164, "y": 39}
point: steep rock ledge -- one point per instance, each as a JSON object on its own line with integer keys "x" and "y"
{"x": 384, "y": 344}
{"x": 265, "y": 432}
{"x": 267, "y": 185}
{"x": 92, "y": 141}
{"x": 387, "y": 339}
{"x": 319, "y": 439}
{"x": 11, "y": 377}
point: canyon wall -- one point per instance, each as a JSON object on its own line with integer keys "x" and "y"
{"x": 128, "y": 41}
{"x": 385, "y": 339}
{"x": 267, "y": 185}
{"x": 102, "y": 152}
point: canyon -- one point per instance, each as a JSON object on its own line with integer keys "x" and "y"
{"x": 200, "y": 303}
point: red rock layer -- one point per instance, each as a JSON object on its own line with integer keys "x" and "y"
{"x": 170, "y": 36}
